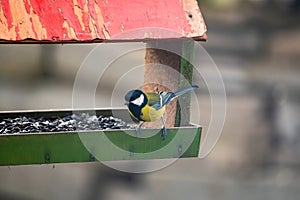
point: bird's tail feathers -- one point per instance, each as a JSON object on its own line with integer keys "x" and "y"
{"x": 185, "y": 90}
{"x": 171, "y": 95}
{"x": 166, "y": 97}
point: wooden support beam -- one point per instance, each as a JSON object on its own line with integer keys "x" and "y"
{"x": 161, "y": 72}
{"x": 168, "y": 67}
{"x": 182, "y": 117}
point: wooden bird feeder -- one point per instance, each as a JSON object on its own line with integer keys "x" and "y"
{"x": 83, "y": 21}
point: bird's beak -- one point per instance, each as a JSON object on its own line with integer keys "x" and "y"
{"x": 126, "y": 103}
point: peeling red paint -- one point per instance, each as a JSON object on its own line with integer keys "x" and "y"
{"x": 17, "y": 31}
{"x": 49, "y": 16}
{"x": 33, "y": 29}
{"x": 85, "y": 16}
{"x": 7, "y": 13}
{"x": 66, "y": 11}
{"x": 81, "y": 20}
{"x": 27, "y": 6}
{"x": 145, "y": 14}
{"x": 94, "y": 16}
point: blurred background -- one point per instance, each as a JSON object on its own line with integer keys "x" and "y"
{"x": 254, "y": 43}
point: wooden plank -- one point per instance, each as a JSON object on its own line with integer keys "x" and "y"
{"x": 90, "y": 146}
{"x": 68, "y": 147}
{"x": 161, "y": 72}
{"x": 98, "y": 20}
{"x": 169, "y": 67}
{"x": 182, "y": 117}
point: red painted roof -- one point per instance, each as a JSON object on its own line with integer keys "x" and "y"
{"x": 98, "y": 20}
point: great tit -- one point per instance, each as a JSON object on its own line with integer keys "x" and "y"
{"x": 150, "y": 106}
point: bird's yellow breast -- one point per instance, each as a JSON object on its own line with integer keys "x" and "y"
{"x": 150, "y": 114}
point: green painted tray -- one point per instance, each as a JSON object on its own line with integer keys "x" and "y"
{"x": 90, "y": 146}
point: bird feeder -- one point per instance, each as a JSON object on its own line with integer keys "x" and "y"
{"x": 82, "y": 21}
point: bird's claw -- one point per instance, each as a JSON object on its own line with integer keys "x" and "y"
{"x": 138, "y": 131}
{"x": 164, "y": 133}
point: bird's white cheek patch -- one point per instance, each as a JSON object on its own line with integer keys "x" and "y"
{"x": 139, "y": 101}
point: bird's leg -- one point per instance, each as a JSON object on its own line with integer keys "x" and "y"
{"x": 164, "y": 130}
{"x": 138, "y": 129}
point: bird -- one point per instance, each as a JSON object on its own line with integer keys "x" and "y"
{"x": 150, "y": 106}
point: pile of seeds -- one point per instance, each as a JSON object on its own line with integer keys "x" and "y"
{"x": 74, "y": 122}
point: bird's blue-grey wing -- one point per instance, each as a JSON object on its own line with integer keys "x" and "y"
{"x": 158, "y": 100}
{"x": 162, "y": 98}
{"x": 154, "y": 100}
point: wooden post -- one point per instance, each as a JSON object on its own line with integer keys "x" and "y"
{"x": 164, "y": 66}
{"x": 186, "y": 79}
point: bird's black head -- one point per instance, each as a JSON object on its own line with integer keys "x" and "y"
{"x": 136, "y": 98}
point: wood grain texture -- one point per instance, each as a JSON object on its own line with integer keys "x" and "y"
{"x": 98, "y": 20}
{"x": 162, "y": 72}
